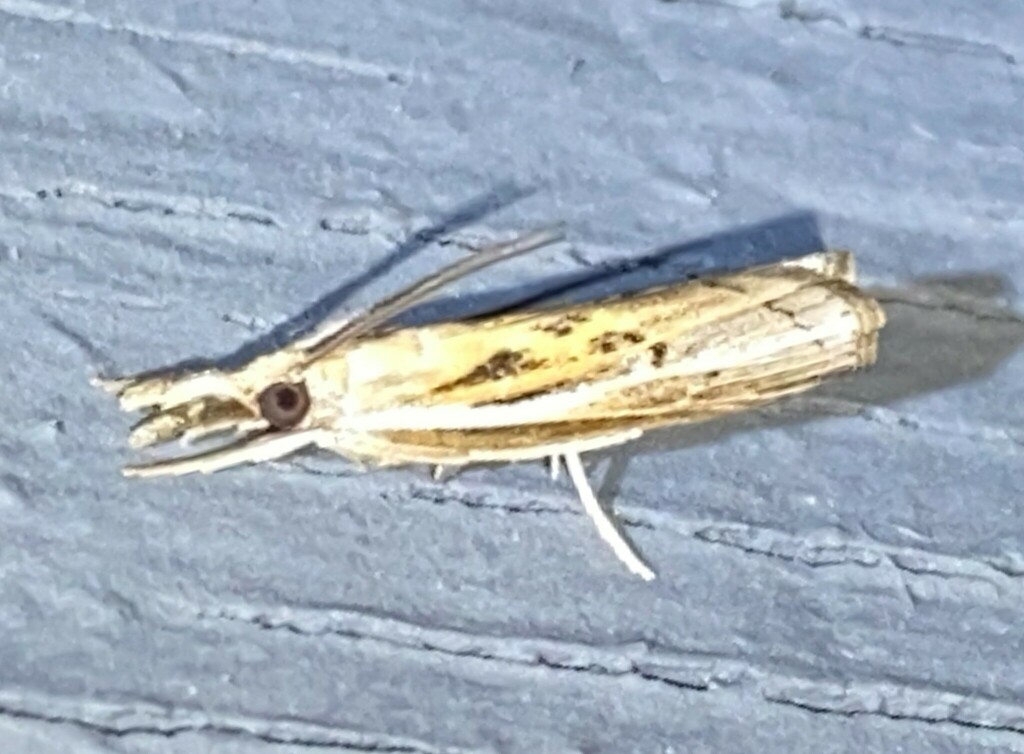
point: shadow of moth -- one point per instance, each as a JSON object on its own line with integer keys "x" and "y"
{"x": 526, "y": 385}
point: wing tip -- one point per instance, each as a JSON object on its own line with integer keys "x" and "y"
{"x": 832, "y": 264}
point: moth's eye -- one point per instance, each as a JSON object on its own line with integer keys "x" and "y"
{"x": 283, "y": 404}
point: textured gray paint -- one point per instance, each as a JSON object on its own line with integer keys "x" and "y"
{"x": 842, "y": 573}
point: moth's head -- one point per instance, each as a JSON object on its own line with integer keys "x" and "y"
{"x": 264, "y": 410}
{"x": 282, "y": 401}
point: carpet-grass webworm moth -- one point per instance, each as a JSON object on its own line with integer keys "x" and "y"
{"x": 532, "y": 384}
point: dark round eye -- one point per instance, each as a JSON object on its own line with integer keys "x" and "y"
{"x": 283, "y": 404}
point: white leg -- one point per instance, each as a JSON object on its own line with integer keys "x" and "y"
{"x": 437, "y": 473}
{"x": 554, "y": 464}
{"x": 605, "y": 526}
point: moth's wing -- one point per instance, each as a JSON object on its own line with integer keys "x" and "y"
{"x": 782, "y": 346}
{"x": 713, "y": 357}
{"x": 514, "y": 357}
{"x": 528, "y": 441}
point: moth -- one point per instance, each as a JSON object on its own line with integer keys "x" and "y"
{"x": 530, "y": 384}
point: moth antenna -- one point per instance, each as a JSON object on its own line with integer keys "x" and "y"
{"x": 402, "y": 301}
{"x": 602, "y": 519}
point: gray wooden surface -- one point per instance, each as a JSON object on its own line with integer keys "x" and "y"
{"x": 842, "y": 573}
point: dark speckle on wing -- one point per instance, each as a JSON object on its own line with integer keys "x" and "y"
{"x": 546, "y": 390}
{"x": 773, "y": 307}
{"x": 725, "y": 285}
{"x": 559, "y": 328}
{"x": 501, "y": 364}
{"x": 612, "y": 341}
{"x": 562, "y": 326}
{"x": 658, "y": 352}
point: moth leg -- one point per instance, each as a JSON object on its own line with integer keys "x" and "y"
{"x": 606, "y": 527}
{"x": 554, "y": 465}
{"x": 443, "y": 472}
